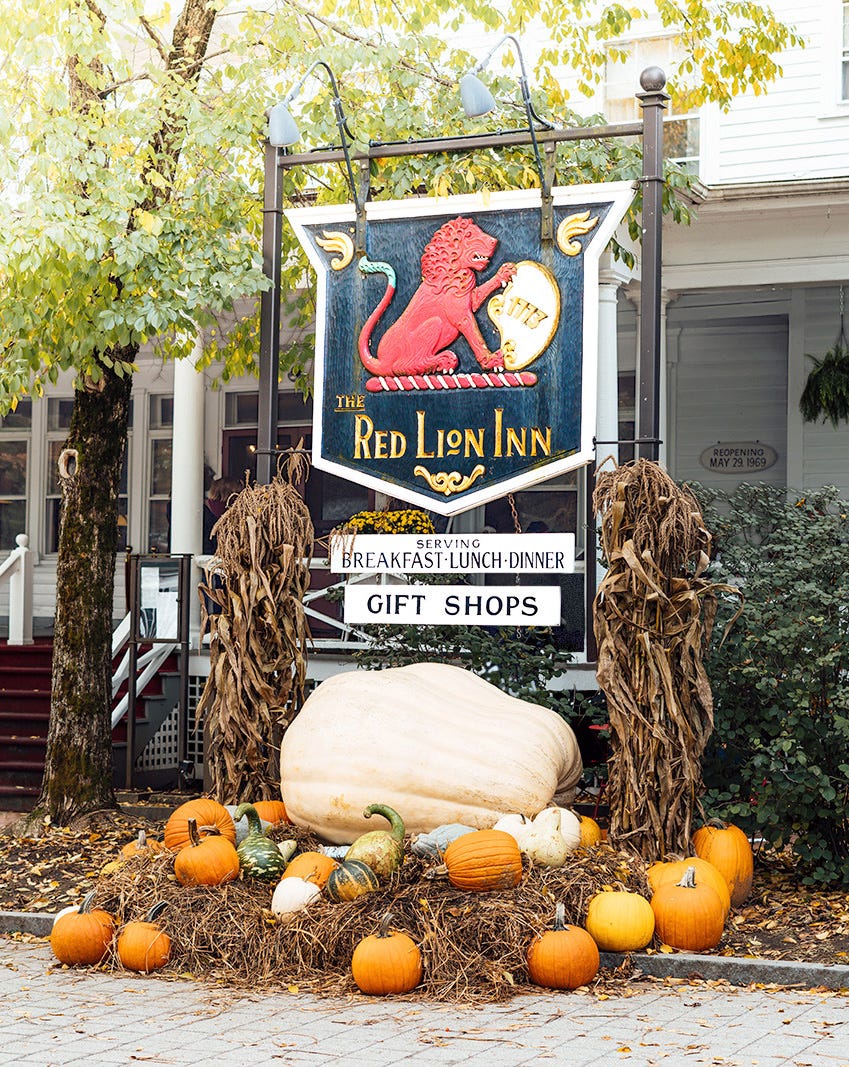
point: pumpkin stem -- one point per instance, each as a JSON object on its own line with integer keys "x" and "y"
{"x": 194, "y": 836}
{"x": 254, "y": 823}
{"x": 87, "y": 902}
{"x": 396, "y": 823}
{"x": 384, "y": 925}
{"x": 156, "y": 910}
{"x": 560, "y": 916}
{"x": 689, "y": 879}
{"x": 141, "y": 842}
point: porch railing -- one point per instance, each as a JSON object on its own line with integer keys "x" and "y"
{"x": 16, "y": 569}
{"x": 147, "y": 666}
{"x": 350, "y": 638}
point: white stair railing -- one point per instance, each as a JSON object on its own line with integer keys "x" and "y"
{"x": 17, "y": 570}
{"x": 147, "y": 666}
{"x": 350, "y": 637}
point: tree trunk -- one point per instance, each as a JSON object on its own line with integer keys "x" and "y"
{"x": 78, "y": 767}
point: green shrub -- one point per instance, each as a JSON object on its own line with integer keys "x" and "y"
{"x": 778, "y": 762}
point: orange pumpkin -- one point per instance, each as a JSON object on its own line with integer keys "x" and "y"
{"x": 728, "y": 849}
{"x": 144, "y": 946}
{"x": 273, "y": 811}
{"x": 590, "y": 832}
{"x": 313, "y": 867}
{"x": 484, "y": 860}
{"x": 209, "y": 817}
{"x": 82, "y": 935}
{"x": 563, "y": 958}
{"x": 688, "y": 916}
{"x": 386, "y": 962}
{"x": 660, "y": 873}
{"x": 141, "y": 846}
{"x": 210, "y": 860}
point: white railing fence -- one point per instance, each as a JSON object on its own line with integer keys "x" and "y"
{"x": 147, "y": 666}
{"x": 16, "y": 569}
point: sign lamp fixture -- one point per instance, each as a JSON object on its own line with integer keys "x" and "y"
{"x": 477, "y": 100}
{"x": 283, "y": 130}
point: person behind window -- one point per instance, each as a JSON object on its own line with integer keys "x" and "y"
{"x": 217, "y": 498}
{"x": 221, "y": 491}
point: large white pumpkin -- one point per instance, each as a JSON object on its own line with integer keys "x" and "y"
{"x": 433, "y": 741}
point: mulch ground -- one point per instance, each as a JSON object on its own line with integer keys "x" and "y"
{"x": 782, "y": 920}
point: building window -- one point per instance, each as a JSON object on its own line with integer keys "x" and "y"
{"x": 330, "y": 500}
{"x": 59, "y": 411}
{"x": 627, "y": 415}
{"x": 15, "y": 431}
{"x": 844, "y": 63}
{"x": 681, "y": 132}
{"x": 160, "y": 433}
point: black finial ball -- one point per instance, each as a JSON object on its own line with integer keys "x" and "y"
{"x": 652, "y": 80}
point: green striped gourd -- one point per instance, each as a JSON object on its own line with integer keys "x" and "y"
{"x": 258, "y": 857}
{"x": 351, "y": 879}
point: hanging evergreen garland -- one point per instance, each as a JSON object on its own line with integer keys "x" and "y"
{"x": 826, "y": 391}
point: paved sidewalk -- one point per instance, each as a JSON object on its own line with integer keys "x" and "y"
{"x": 55, "y": 1017}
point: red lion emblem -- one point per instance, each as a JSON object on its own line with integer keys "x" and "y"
{"x": 442, "y": 308}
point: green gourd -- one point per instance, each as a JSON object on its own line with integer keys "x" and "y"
{"x": 349, "y": 880}
{"x": 258, "y": 857}
{"x": 382, "y": 850}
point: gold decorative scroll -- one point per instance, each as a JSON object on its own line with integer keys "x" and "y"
{"x": 448, "y": 483}
{"x": 335, "y": 241}
{"x": 574, "y": 226}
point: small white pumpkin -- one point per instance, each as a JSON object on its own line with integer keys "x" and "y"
{"x": 515, "y": 825}
{"x": 543, "y": 842}
{"x": 570, "y": 827}
{"x": 292, "y": 895}
{"x": 288, "y": 848}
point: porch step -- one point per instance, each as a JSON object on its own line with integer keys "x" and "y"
{"x": 24, "y": 702}
{"x": 36, "y": 678}
{"x": 12, "y": 723}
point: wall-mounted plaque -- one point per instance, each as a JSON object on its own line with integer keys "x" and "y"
{"x": 738, "y": 457}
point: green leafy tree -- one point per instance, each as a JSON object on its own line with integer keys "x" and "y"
{"x": 130, "y": 210}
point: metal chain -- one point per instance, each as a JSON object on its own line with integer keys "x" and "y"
{"x": 517, "y": 526}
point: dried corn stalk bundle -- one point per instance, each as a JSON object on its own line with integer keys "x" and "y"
{"x": 258, "y": 641}
{"x": 653, "y": 616}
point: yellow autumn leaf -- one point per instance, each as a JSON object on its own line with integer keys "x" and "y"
{"x": 149, "y": 223}
{"x": 153, "y": 177}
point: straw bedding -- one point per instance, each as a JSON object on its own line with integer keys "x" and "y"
{"x": 473, "y": 944}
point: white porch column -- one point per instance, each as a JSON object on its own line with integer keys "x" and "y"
{"x": 612, "y": 274}
{"x": 187, "y": 468}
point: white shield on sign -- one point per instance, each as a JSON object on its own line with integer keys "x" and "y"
{"x": 526, "y": 314}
